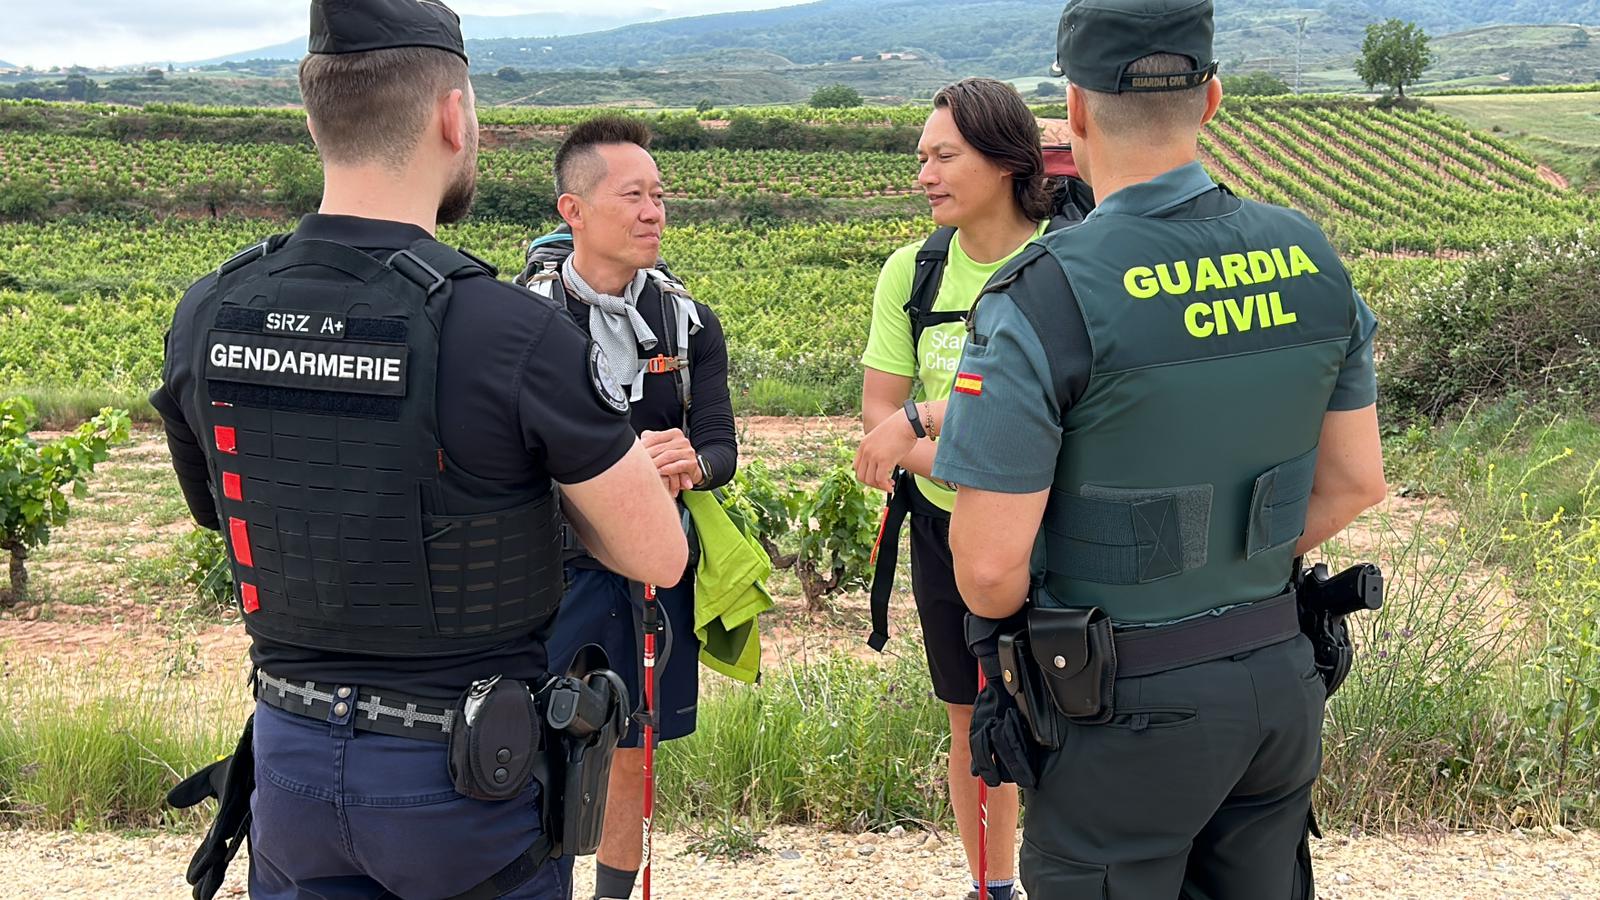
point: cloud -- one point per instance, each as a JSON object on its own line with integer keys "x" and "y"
{"x": 117, "y": 32}
{"x": 114, "y": 32}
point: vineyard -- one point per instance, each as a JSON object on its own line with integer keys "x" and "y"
{"x": 85, "y": 295}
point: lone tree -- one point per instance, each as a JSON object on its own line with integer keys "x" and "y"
{"x": 507, "y": 73}
{"x": 1522, "y": 75}
{"x": 836, "y": 96}
{"x": 1394, "y": 53}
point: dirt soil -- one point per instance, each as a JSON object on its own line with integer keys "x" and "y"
{"x": 107, "y": 625}
{"x": 801, "y": 862}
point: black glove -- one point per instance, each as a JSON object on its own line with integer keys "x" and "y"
{"x": 230, "y": 781}
{"x": 1003, "y": 749}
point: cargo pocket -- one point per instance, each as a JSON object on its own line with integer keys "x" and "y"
{"x": 1045, "y": 874}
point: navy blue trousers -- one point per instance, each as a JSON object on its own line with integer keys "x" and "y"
{"x": 352, "y": 815}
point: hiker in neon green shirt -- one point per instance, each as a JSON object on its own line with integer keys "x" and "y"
{"x": 983, "y": 173}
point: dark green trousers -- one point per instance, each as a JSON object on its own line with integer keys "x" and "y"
{"x": 1199, "y": 789}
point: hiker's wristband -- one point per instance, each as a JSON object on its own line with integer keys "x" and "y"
{"x": 916, "y": 419}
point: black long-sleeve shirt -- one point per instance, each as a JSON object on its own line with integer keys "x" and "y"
{"x": 710, "y": 425}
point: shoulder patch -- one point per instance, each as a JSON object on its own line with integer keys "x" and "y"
{"x": 608, "y": 390}
{"x": 968, "y": 383}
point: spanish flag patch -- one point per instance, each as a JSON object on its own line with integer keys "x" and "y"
{"x": 967, "y": 383}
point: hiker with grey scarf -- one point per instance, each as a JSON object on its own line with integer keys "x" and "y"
{"x": 667, "y": 361}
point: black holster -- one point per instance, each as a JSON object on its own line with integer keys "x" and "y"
{"x": 1323, "y": 603}
{"x": 586, "y": 716}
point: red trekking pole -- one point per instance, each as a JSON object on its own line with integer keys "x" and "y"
{"x": 649, "y": 725}
{"x": 983, "y": 821}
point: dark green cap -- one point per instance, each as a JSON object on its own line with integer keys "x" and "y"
{"x": 1099, "y": 39}
{"x": 357, "y": 26}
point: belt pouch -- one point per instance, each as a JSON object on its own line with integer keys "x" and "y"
{"x": 494, "y": 740}
{"x": 1026, "y": 687}
{"x": 1074, "y": 652}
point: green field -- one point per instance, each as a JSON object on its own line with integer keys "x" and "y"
{"x": 109, "y": 229}
{"x": 1563, "y": 130}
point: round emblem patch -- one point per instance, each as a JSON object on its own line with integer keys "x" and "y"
{"x": 607, "y": 389}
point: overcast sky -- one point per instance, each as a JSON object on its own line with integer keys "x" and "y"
{"x": 120, "y": 32}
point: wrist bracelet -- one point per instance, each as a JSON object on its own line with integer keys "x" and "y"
{"x": 927, "y": 424}
{"x": 916, "y": 419}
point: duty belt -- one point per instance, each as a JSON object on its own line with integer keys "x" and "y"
{"x": 1148, "y": 651}
{"x": 384, "y": 712}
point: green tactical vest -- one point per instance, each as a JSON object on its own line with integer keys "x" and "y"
{"x": 1186, "y": 466}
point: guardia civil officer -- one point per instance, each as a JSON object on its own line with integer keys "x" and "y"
{"x": 669, "y": 352}
{"x": 1172, "y": 400}
{"x": 377, "y": 426}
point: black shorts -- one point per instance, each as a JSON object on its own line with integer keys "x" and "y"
{"x": 933, "y": 584}
{"x": 599, "y": 608}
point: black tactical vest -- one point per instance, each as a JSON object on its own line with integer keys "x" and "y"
{"x": 348, "y": 529}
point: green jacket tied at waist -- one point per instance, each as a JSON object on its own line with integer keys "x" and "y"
{"x": 730, "y": 589}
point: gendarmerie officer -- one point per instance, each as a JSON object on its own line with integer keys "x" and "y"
{"x": 377, "y": 427}
{"x": 1175, "y": 398}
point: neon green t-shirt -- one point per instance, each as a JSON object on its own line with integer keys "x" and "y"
{"x": 934, "y": 362}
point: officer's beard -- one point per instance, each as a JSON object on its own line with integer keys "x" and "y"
{"x": 457, "y": 199}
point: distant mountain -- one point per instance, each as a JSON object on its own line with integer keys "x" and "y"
{"x": 1002, "y": 37}
{"x": 551, "y": 24}
{"x": 6, "y": 65}
{"x": 995, "y": 37}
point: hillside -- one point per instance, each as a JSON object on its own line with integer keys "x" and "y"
{"x": 1006, "y": 37}
{"x": 893, "y": 50}
{"x": 1562, "y": 130}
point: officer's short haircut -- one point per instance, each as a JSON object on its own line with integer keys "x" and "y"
{"x": 1133, "y": 113}
{"x": 997, "y": 122}
{"x": 371, "y": 107}
{"x": 579, "y": 165}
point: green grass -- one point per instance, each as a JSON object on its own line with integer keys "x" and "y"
{"x": 1563, "y": 130}
{"x": 98, "y": 748}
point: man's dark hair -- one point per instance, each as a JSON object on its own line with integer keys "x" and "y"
{"x": 370, "y": 106}
{"x": 579, "y": 166}
{"x": 996, "y": 121}
{"x": 1154, "y": 113}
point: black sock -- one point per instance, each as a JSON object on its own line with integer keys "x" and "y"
{"x": 613, "y": 884}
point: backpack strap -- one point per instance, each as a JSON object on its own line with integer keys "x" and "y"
{"x": 681, "y": 320}
{"x": 931, "y": 258}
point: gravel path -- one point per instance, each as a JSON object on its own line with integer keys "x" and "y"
{"x": 809, "y": 863}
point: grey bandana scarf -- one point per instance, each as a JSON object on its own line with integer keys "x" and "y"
{"x": 615, "y": 324}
